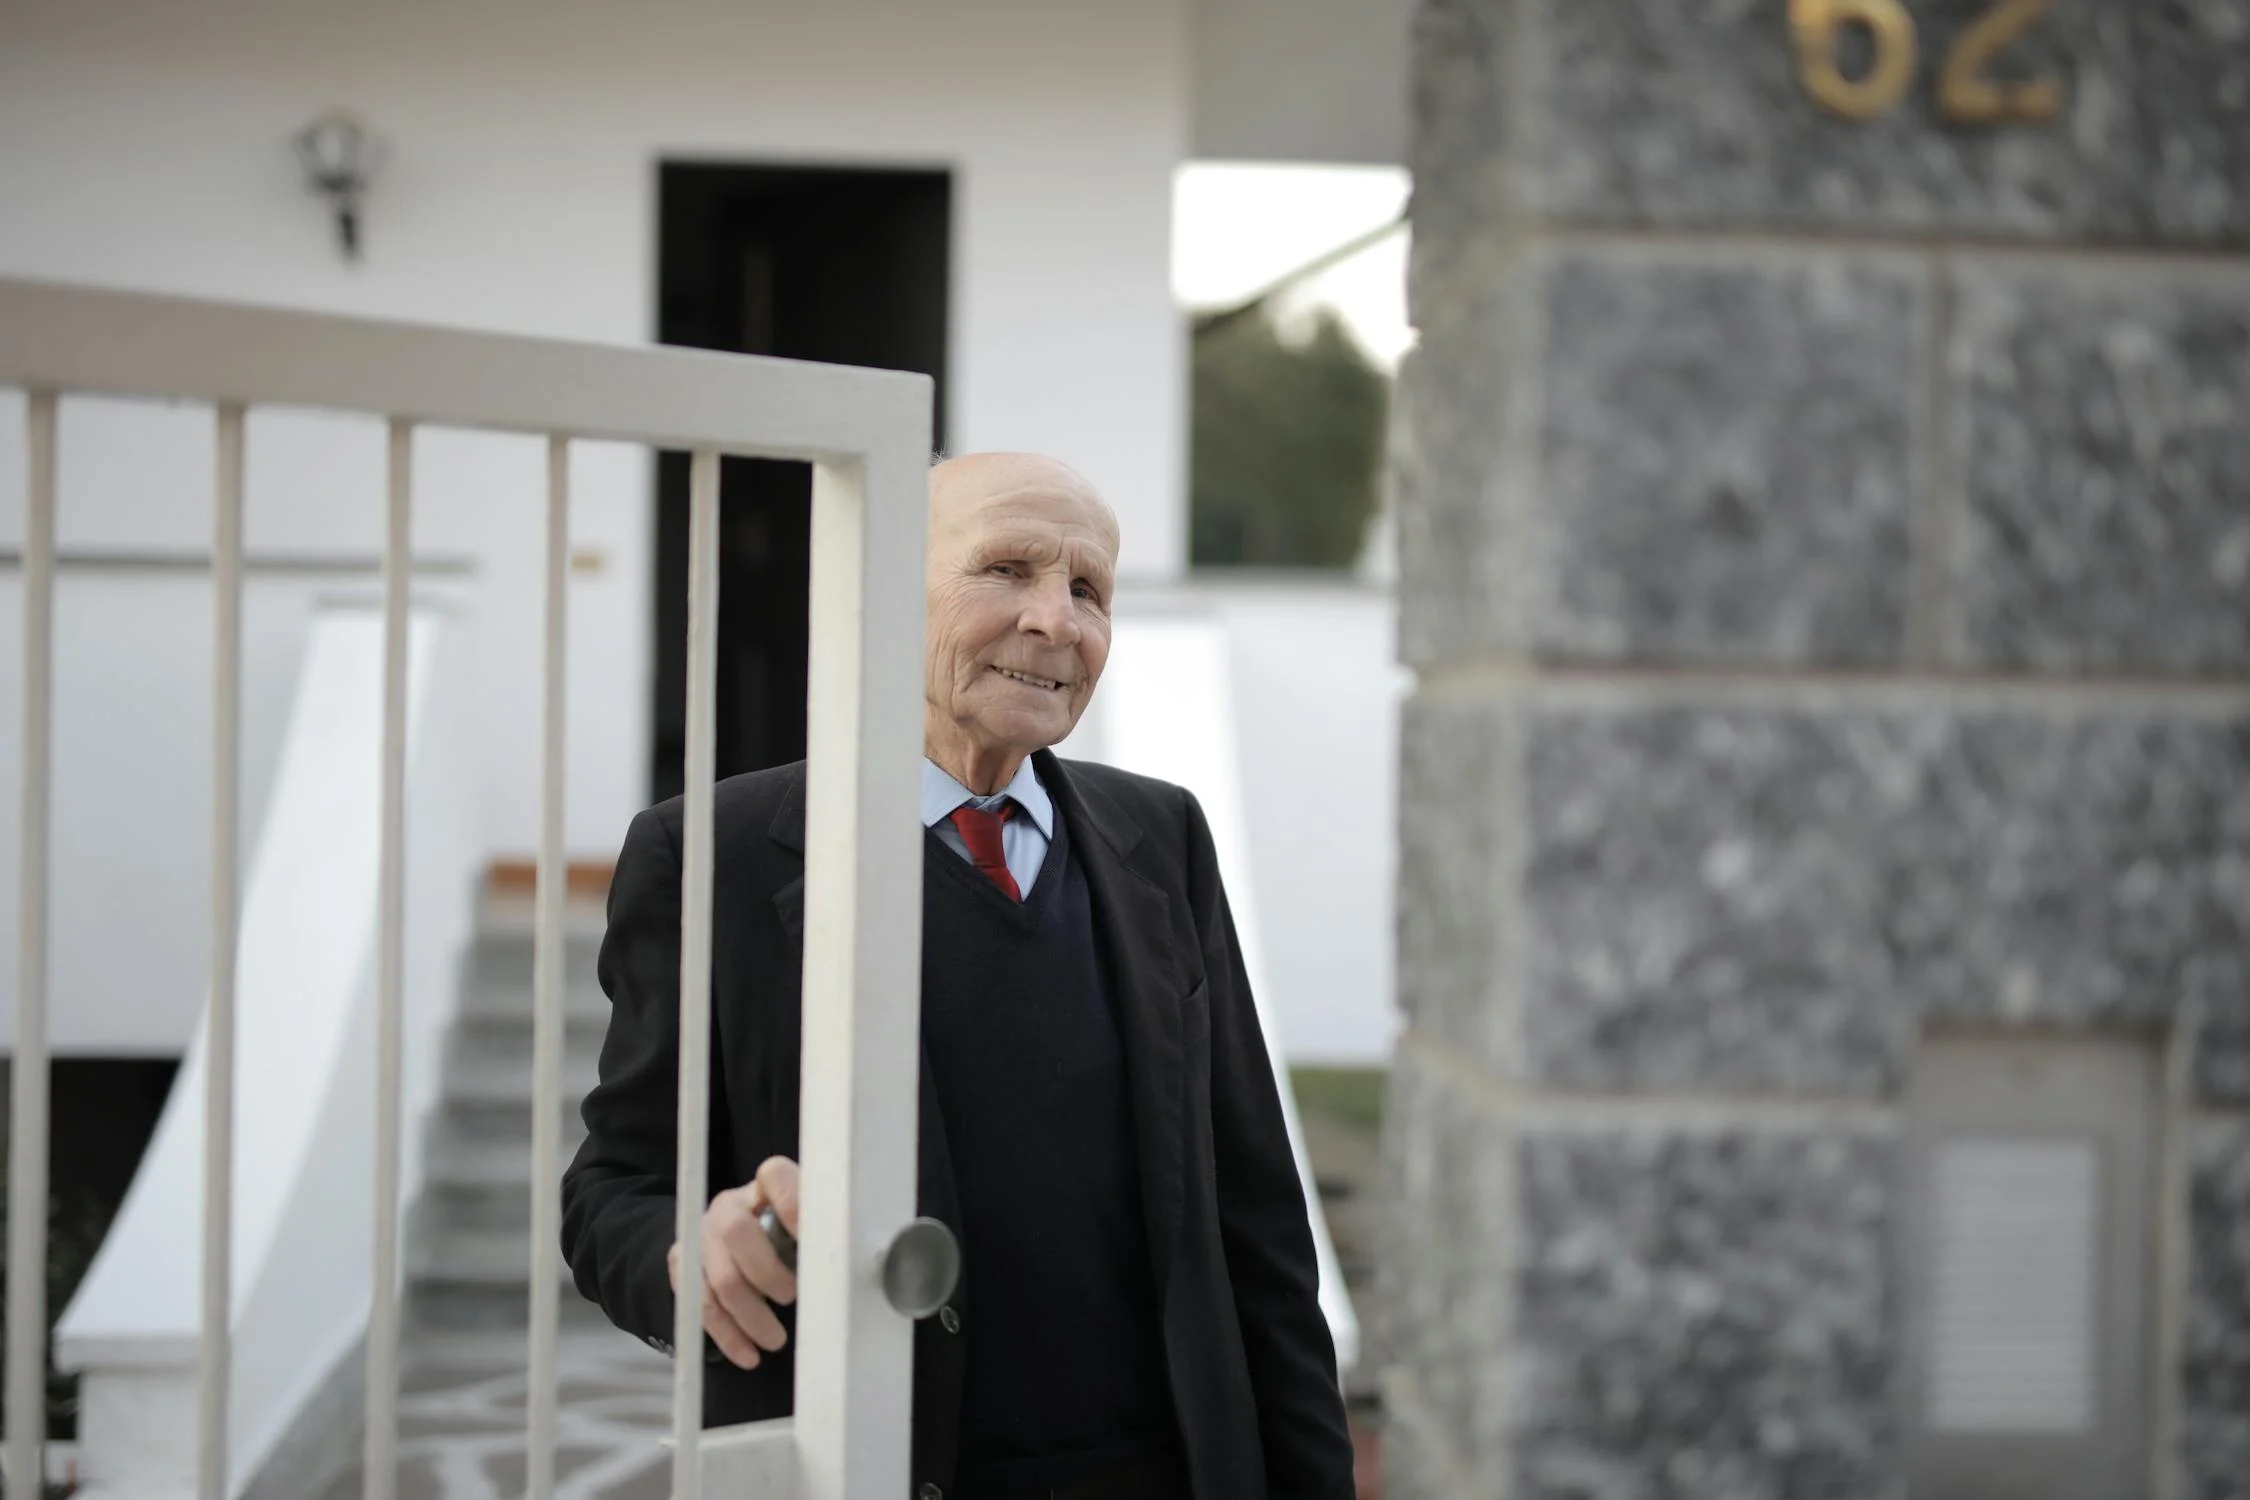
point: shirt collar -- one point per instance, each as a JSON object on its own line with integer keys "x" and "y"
{"x": 941, "y": 794}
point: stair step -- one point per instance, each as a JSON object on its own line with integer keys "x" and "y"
{"x": 474, "y": 1257}
{"x": 455, "y": 1307}
{"x": 470, "y": 1264}
{"x": 512, "y": 998}
{"x": 473, "y": 1122}
{"x": 502, "y": 1035}
{"x": 484, "y": 1208}
{"x": 506, "y": 957}
{"x": 460, "y": 1161}
{"x": 507, "y": 1080}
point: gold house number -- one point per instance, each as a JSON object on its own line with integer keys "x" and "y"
{"x": 1966, "y": 93}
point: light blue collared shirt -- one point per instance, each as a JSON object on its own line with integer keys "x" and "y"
{"x": 1023, "y": 838}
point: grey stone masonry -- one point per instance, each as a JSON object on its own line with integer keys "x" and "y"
{"x": 2215, "y": 1394}
{"x": 1444, "y": 1284}
{"x": 1457, "y": 933}
{"x": 1825, "y": 556}
{"x": 1704, "y": 1313}
{"x": 1675, "y": 456}
{"x": 1700, "y": 1310}
{"x": 1771, "y": 897}
{"x": 1691, "y": 114}
{"x": 1770, "y": 893}
{"x": 1687, "y": 454}
{"x": 1460, "y": 487}
{"x": 1726, "y": 458}
{"x": 2099, "y": 426}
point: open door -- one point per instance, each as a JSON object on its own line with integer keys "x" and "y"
{"x": 843, "y": 265}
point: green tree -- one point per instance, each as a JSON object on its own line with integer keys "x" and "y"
{"x": 1286, "y": 443}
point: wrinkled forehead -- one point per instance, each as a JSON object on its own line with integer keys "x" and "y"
{"x": 1034, "y": 506}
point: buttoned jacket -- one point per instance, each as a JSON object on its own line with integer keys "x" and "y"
{"x": 1247, "y": 1349}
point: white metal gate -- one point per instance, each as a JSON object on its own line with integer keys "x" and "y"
{"x": 867, "y": 435}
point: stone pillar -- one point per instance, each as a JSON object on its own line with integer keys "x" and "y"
{"x": 1825, "y": 555}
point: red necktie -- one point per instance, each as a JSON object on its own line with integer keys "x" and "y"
{"x": 980, "y": 830}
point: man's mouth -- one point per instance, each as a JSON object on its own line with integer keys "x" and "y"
{"x": 1048, "y": 683}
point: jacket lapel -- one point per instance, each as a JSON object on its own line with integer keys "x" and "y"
{"x": 1133, "y": 922}
{"x": 788, "y": 830}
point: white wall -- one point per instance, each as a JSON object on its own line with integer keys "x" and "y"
{"x": 1315, "y": 692}
{"x": 145, "y": 144}
{"x": 305, "y": 1105}
{"x": 1169, "y": 699}
{"x": 129, "y": 918}
{"x": 1302, "y": 80}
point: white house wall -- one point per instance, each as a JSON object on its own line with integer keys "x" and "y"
{"x": 1314, "y": 688}
{"x": 1301, "y": 80}
{"x": 145, "y": 144}
{"x": 140, "y": 146}
{"x": 130, "y": 905}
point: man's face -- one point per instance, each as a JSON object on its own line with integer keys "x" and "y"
{"x": 1022, "y": 563}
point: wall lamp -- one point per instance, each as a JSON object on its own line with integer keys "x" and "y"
{"x": 340, "y": 158}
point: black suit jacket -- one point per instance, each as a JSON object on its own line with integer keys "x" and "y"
{"x": 1253, "y": 1370}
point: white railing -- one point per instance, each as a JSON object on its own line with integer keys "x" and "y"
{"x": 26, "y": 1402}
{"x": 305, "y": 1003}
{"x": 866, "y": 434}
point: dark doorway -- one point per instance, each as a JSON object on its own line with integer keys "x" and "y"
{"x": 103, "y": 1114}
{"x": 843, "y": 266}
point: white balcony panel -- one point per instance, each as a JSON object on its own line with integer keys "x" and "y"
{"x": 1168, "y": 711}
{"x": 305, "y": 1108}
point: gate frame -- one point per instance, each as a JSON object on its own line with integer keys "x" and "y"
{"x": 867, "y": 435}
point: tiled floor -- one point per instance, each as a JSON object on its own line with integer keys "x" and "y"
{"x": 462, "y": 1409}
{"x": 461, "y": 1421}
{"x": 461, "y": 1424}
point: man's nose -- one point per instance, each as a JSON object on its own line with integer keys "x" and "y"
{"x": 1051, "y": 612}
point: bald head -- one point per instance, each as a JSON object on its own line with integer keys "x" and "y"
{"x": 959, "y": 487}
{"x": 1022, "y": 563}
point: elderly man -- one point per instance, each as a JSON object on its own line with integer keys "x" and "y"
{"x": 1099, "y": 1122}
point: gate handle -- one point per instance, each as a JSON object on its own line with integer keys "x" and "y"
{"x": 784, "y": 1243}
{"x": 921, "y": 1268}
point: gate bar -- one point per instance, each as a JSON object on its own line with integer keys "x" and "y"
{"x": 548, "y": 1022}
{"x": 381, "y": 1462}
{"x": 217, "y": 1346}
{"x": 695, "y": 974}
{"x": 26, "y": 1407}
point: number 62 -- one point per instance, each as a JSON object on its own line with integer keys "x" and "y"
{"x": 1965, "y": 93}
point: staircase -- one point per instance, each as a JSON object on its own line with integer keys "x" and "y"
{"x": 469, "y": 1268}
{"x": 464, "y": 1381}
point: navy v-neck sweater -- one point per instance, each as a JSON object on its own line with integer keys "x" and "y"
{"x": 1065, "y": 1358}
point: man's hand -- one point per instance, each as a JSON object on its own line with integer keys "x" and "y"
{"x": 742, "y": 1273}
